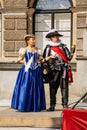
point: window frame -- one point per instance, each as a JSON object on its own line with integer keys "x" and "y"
{"x": 53, "y": 12}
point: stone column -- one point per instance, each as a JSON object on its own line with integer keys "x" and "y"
{"x": 30, "y": 13}
{"x": 74, "y": 24}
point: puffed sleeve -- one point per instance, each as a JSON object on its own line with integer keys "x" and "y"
{"x": 21, "y": 54}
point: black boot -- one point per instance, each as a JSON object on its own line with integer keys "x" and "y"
{"x": 52, "y": 108}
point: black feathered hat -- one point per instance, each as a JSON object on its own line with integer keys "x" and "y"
{"x": 52, "y": 33}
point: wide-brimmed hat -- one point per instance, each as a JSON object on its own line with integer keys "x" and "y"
{"x": 27, "y": 36}
{"x": 52, "y": 33}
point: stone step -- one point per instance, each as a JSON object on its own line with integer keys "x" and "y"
{"x": 27, "y": 128}
{"x": 11, "y": 118}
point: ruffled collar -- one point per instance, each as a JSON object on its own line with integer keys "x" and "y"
{"x": 54, "y": 44}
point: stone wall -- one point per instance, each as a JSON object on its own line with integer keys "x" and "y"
{"x": 14, "y": 27}
{"x": 81, "y": 10}
{"x": 14, "y": 30}
{"x": 14, "y": 4}
{"x": 81, "y": 2}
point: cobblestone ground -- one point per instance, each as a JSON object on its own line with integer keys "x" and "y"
{"x": 26, "y": 128}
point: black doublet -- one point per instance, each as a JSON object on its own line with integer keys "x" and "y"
{"x": 57, "y": 75}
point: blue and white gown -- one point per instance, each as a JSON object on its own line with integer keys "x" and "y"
{"x": 29, "y": 95}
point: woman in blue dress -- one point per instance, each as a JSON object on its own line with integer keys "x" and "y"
{"x": 29, "y": 95}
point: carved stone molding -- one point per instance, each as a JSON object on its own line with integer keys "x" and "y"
{"x": 30, "y": 13}
{"x": 31, "y": 2}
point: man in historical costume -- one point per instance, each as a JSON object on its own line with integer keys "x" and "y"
{"x": 57, "y": 68}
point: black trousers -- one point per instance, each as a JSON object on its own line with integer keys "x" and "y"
{"x": 56, "y": 80}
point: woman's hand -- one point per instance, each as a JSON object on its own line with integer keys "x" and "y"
{"x": 25, "y": 63}
{"x": 22, "y": 62}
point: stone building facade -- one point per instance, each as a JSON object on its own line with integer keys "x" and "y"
{"x": 18, "y": 19}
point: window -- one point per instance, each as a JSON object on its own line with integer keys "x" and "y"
{"x": 53, "y": 4}
{"x": 52, "y": 14}
{"x": 63, "y": 25}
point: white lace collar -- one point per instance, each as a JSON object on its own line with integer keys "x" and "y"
{"x": 54, "y": 44}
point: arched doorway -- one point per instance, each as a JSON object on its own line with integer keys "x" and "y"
{"x": 52, "y": 14}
